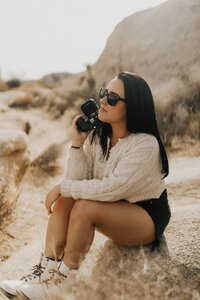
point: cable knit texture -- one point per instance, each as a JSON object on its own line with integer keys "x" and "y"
{"x": 132, "y": 171}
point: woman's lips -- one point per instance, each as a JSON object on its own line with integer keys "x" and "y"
{"x": 102, "y": 109}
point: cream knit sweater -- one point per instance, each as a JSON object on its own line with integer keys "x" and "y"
{"x": 132, "y": 171}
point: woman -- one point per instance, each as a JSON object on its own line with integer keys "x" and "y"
{"x": 113, "y": 183}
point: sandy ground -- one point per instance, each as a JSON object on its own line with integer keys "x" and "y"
{"x": 23, "y": 240}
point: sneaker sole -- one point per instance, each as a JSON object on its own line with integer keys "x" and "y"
{"x": 22, "y": 296}
{"x": 8, "y": 295}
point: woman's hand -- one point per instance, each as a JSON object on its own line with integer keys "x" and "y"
{"x": 77, "y": 136}
{"x": 51, "y": 197}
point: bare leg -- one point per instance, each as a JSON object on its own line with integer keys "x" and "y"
{"x": 57, "y": 228}
{"x": 81, "y": 232}
{"x": 125, "y": 223}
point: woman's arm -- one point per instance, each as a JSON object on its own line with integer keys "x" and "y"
{"x": 129, "y": 176}
{"x": 79, "y": 162}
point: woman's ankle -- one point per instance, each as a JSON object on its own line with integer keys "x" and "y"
{"x": 64, "y": 269}
{"x": 53, "y": 257}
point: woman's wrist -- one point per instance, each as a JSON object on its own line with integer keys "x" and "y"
{"x": 58, "y": 188}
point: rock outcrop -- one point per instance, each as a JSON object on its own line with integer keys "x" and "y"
{"x": 9, "y": 97}
{"x": 11, "y": 141}
{"x": 161, "y": 44}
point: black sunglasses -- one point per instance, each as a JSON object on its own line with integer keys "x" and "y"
{"x": 112, "y": 98}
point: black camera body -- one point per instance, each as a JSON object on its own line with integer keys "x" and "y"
{"x": 90, "y": 110}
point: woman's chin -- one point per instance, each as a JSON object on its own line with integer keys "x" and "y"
{"x": 101, "y": 118}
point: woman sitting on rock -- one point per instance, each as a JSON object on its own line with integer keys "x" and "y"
{"x": 113, "y": 183}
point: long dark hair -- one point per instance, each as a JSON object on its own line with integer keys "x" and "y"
{"x": 141, "y": 115}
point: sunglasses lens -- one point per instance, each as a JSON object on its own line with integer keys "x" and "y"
{"x": 102, "y": 93}
{"x": 112, "y": 99}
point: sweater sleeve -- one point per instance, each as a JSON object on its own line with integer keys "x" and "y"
{"x": 79, "y": 162}
{"x": 127, "y": 177}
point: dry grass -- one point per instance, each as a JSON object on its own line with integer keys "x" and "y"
{"x": 57, "y": 106}
{"x": 8, "y": 197}
{"x": 9, "y": 193}
{"x": 46, "y": 162}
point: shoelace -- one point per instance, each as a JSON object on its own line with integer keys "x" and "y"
{"x": 37, "y": 271}
{"x": 56, "y": 277}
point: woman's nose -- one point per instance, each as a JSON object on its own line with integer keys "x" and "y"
{"x": 104, "y": 100}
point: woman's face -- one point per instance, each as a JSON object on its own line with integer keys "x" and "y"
{"x": 117, "y": 113}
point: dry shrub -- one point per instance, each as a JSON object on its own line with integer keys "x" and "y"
{"x": 83, "y": 90}
{"x": 34, "y": 98}
{"x": 180, "y": 115}
{"x": 57, "y": 106}
{"x": 46, "y": 162}
{"x": 13, "y": 83}
{"x": 8, "y": 198}
{"x": 79, "y": 87}
{"x": 40, "y": 98}
{"x": 19, "y": 175}
{"x": 23, "y": 102}
{"x": 3, "y": 86}
{"x": 189, "y": 146}
{"x": 194, "y": 126}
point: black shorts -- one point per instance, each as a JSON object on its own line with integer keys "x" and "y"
{"x": 160, "y": 212}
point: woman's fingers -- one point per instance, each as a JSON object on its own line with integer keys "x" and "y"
{"x": 49, "y": 203}
{"x": 75, "y": 120}
{"x": 49, "y": 209}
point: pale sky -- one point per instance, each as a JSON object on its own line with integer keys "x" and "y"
{"x": 38, "y": 37}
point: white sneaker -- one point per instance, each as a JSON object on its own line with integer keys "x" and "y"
{"x": 39, "y": 291}
{"x": 39, "y": 273}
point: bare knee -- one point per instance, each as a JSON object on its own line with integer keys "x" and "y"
{"x": 82, "y": 209}
{"x": 63, "y": 204}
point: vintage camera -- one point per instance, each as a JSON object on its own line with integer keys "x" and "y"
{"x": 90, "y": 110}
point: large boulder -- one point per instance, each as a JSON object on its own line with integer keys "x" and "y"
{"x": 11, "y": 141}
{"x": 161, "y": 44}
{"x": 122, "y": 272}
{"x": 53, "y": 79}
{"x": 3, "y": 108}
{"x": 11, "y": 119}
